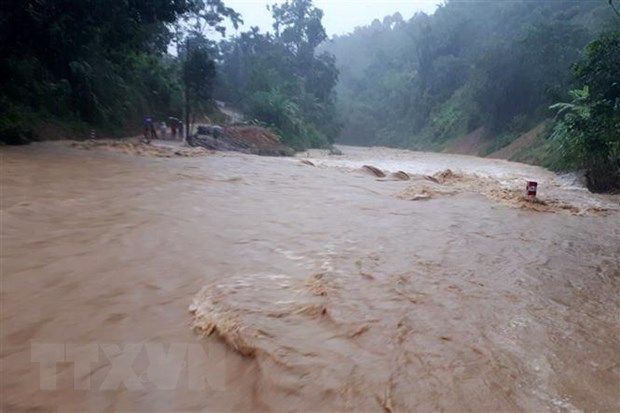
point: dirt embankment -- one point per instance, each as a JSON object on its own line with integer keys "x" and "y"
{"x": 478, "y": 142}
{"x": 474, "y": 143}
{"x": 240, "y": 138}
{"x": 516, "y": 146}
{"x": 259, "y": 140}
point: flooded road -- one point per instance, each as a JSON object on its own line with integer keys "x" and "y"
{"x": 239, "y": 283}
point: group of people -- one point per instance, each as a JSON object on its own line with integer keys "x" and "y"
{"x": 150, "y": 130}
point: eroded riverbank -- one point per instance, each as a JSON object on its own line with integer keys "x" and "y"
{"x": 333, "y": 290}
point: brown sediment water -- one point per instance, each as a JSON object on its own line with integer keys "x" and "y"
{"x": 307, "y": 288}
{"x": 374, "y": 171}
{"x": 136, "y": 146}
{"x": 557, "y": 200}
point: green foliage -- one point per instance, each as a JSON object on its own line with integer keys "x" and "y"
{"x": 500, "y": 142}
{"x": 204, "y": 14}
{"x": 276, "y": 109}
{"x": 298, "y": 26}
{"x": 421, "y": 82}
{"x": 589, "y": 129}
{"x": 15, "y": 124}
{"x": 543, "y": 151}
{"x": 280, "y": 80}
{"x": 100, "y": 62}
{"x": 451, "y": 118}
{"x": 197, "y": 75}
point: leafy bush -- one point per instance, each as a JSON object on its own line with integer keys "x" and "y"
{"x": 425, "y": 80}
{"x": 15, "y": 124}
{"x": 588, "y": 131}
{"x": 280, "y": 112}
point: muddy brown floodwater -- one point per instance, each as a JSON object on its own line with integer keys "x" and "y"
{"x": 231, "y": 282}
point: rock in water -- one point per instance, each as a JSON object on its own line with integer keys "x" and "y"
{"x": 375, "y": 171}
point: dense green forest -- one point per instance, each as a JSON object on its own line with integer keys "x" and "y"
{"x": 498, "y": 68}
{"x": 420, "y": 82}
{"x": 491, "y": 67}
{"x": 280, "y": 80}
{"x": 88, "y": 63}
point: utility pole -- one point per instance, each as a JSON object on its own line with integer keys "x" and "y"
{"x": 187, "y": 110}
{"x": 187, "y": 99}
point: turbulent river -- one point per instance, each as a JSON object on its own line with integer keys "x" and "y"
{"x": 230, "y": 282}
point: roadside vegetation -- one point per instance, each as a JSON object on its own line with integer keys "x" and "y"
{"x": 495, "y": 66}
{"x": 501, "y": 68}
{"x": 280, "y": 80}
{"x": 107, "y": 65}
{"x": 588, "y": 130}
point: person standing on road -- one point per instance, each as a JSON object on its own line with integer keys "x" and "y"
{"x": 149, "y": 130}
{"x": 163, "y": 129}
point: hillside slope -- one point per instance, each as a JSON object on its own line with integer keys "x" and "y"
{"x": 474, "y": 143}
{"x": 521, "y": 143}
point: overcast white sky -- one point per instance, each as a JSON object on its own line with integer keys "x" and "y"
{"x": 340, "y": 16}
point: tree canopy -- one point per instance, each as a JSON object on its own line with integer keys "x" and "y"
{"x": 106, "y": 65}
{"x": 280, "y": 80}
{"x": 103, "y": 63}
{"x": 589, "y": 127}
{"x": 498, "y": 65}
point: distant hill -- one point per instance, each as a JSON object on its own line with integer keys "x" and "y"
{"x": 423, "y": 81}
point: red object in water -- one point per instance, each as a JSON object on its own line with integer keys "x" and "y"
{"x": 531, "y": 188}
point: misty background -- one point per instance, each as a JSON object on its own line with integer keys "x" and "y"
{"x": 532, "y": 81}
